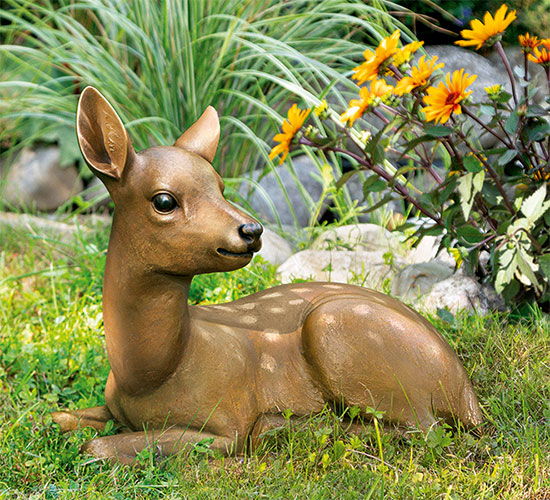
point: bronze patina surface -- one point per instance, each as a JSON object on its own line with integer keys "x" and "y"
{"x": 181, "y": 373}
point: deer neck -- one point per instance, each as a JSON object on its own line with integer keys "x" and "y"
{"x": 146, "y": 318}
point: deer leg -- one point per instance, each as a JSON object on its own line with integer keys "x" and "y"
{"x": 70, "y": 420}
{"x": 124, "y": 448}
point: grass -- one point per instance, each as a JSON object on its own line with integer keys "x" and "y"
{"x": 52, "y": 356}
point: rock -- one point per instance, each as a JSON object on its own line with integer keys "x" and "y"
{"x": 275, "y": 249}
{"x": 415, "y": 280}
{"x": 308, "y": 187}
{"x": 426, "y": 251}
{"x": 41, "y": 227}
{"x": 97, "y": 191}
{"x": 367, "y": 237}
{"x": 343, "y": 266}
{"x": 433, "y": 285}
{"x": 461, "y": 292}
{"x": 37, "y": 180}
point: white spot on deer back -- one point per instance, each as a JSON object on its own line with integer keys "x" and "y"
{"x": 295, "y": 302}
{"x": 249, "y": 320}
{"x": 268, "y": 362}
{"x": 272, "y": 335}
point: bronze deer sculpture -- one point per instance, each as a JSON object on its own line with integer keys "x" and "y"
{"x": 182, "y": 373}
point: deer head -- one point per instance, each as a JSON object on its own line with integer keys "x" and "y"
{"x": 170, "y": 213}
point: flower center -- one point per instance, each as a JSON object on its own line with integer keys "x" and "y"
{"x": 452, "y": 97}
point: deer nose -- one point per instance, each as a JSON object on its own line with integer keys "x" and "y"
{"x": 251, "y": 232}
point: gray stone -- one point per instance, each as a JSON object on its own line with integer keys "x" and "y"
{"x": 41, "y": 226}
{"x": 461, "y": 292}
{"x": 426, "y": 251}
{"x": 303, "y": 196}
{"x": 433, "y": 285}
{"x": 342, "y": 266}
{"x": 415, "y": 280}
{"x": 367, "y": 237}
{"x": 37, "y": 180}
{"x": 275, "y": 249}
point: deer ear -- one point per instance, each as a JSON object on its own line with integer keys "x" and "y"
{"x": 103, "y": 140}
{"x": 203, "y": 136}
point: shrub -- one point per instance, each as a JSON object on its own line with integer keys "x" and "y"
{"x": 489, "y": 205}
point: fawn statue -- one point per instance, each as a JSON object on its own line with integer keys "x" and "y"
{"x": 183, "y": 373}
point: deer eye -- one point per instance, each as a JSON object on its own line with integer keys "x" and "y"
{"x": 164, "y": 203}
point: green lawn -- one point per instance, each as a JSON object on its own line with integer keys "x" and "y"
{"x": 52, "y": 356}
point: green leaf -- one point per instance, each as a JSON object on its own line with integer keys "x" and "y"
{"x": 504, "y": 97}
{"x": 434, "y": 230}
{"x": 512, "y": 123}
{"x": 511, "y": 290}
{"x": 439, "y": 131}
{"x": 535, "y": 110}
{"x": 377, "y": 186}
{"x": 538, "y": 132}
{"x": 346, "y": 177}
{"x": 534, "y": 206}
{"x": 527, "y": 268}
{"x": 446, "y": 316}
{"x": 477, "y": 182}
{"x": 507, "y": 157}
{"x": 379, "y": 204}
{"x": 469, "y": 234}
{"x": 508, "y": 265}
{"x": 465, "y": 191}
{"x": 415, "y": 142}
{"x": 472, "y": 164}
{"x": 487, "y": 110}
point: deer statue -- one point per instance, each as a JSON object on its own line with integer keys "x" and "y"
{"x": 182, "y": 373}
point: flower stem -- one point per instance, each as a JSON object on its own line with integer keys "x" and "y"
{"x": 525, "y": 74}
{"x": 502, "y": 55}
{"x": 488, "y": 129}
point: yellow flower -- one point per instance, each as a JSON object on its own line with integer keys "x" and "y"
{"x": 356, "y": 108}
{"x": 457, "y": 255}
{"x": 321, "y": 108}
{"x": 489, "y": 31}
{"x": 493, "y": 89}
{"x": 541, "y": 54}
{"x": 541, "y": 175}
{"x": 377, "y": 59}
{"x": 291, "y": 125}
{"x": 528, "y": 42}
{"x": 404, "y": 54}
{"x": 419, "y": 75}
{"x": 445, "y": 99}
